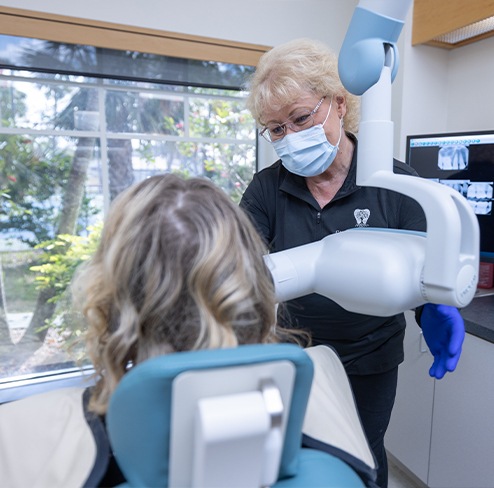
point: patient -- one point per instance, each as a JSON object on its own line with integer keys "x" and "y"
{"x": 179, "y": 267}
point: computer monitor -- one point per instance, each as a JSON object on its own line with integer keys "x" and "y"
{"x": 464, "y": 161}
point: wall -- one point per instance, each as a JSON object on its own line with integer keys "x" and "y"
{"x": 420, "y": 105}
{"x": 470, "y": 93}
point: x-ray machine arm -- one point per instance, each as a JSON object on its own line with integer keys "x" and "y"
{"x": 385, "y": 271}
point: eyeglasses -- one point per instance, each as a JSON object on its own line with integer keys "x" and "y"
{"x": 300, "y": 120}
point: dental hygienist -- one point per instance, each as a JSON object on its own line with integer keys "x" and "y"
{"x": 304, "y": 111}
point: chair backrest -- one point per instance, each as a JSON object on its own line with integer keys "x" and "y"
{"x": 154, "y": 412}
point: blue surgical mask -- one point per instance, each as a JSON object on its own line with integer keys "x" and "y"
{"x": 308, "y": 152}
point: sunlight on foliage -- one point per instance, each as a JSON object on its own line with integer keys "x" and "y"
{"x": 62, "y": 256}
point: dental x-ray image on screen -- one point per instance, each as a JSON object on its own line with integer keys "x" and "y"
{"x": 463, "y": 161}
{"x": 452, "y": 157}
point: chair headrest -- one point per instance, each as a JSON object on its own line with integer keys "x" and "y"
{"x": 139, "y": 412}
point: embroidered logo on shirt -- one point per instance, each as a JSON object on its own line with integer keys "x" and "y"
{"x": 361, "y": 216}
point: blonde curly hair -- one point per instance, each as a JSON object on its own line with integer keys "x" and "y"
{"x": 179, "y": 267}
{"x": 293, "y": 69}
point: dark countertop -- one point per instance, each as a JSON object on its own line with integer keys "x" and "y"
{"x": 479, "y": 315}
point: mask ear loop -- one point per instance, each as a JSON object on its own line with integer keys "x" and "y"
{"x": 337, "y": 145}
{"x": 329, "y": 111}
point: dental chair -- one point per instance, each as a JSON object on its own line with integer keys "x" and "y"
{"x": 220, "y": 418}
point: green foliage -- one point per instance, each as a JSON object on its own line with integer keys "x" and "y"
{"x": 229, "y": 165}
{"x": 20, "y": 288}
{"x": 61, "y": 257}
{"x": 57, "y": 265}
{"x": 33, "y": 175}
{"x": 220, "y": 118}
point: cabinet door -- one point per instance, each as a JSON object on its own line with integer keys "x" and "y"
{"x": 408, "y": 436}
{"x": 462, "y": 447}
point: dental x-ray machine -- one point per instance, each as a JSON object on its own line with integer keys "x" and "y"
{"x": 385, "y": 271}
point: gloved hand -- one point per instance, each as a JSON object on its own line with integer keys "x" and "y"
{"x": 444, "y": 332}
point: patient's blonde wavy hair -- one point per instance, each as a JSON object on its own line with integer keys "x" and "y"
{"x": 290, "y": 70}
{"x": 179, "y": 267}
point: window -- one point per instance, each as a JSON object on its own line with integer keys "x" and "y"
{"x": 78, "y": 125}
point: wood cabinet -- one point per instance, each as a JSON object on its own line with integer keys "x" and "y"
{"x": 451, "y": 23}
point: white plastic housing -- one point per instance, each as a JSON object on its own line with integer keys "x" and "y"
{"x": 368, "y": 271}
{"x": 451, "y": 253}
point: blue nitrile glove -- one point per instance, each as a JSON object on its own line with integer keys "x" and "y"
{"x": 444, "y": 331}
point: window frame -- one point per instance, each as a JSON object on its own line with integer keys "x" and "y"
{"x": 73, "y": 30}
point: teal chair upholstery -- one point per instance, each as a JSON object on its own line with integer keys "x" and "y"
{"x": 141, "y": 408}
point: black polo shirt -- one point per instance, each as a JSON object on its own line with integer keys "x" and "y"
{"x": 287, "y": 215}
